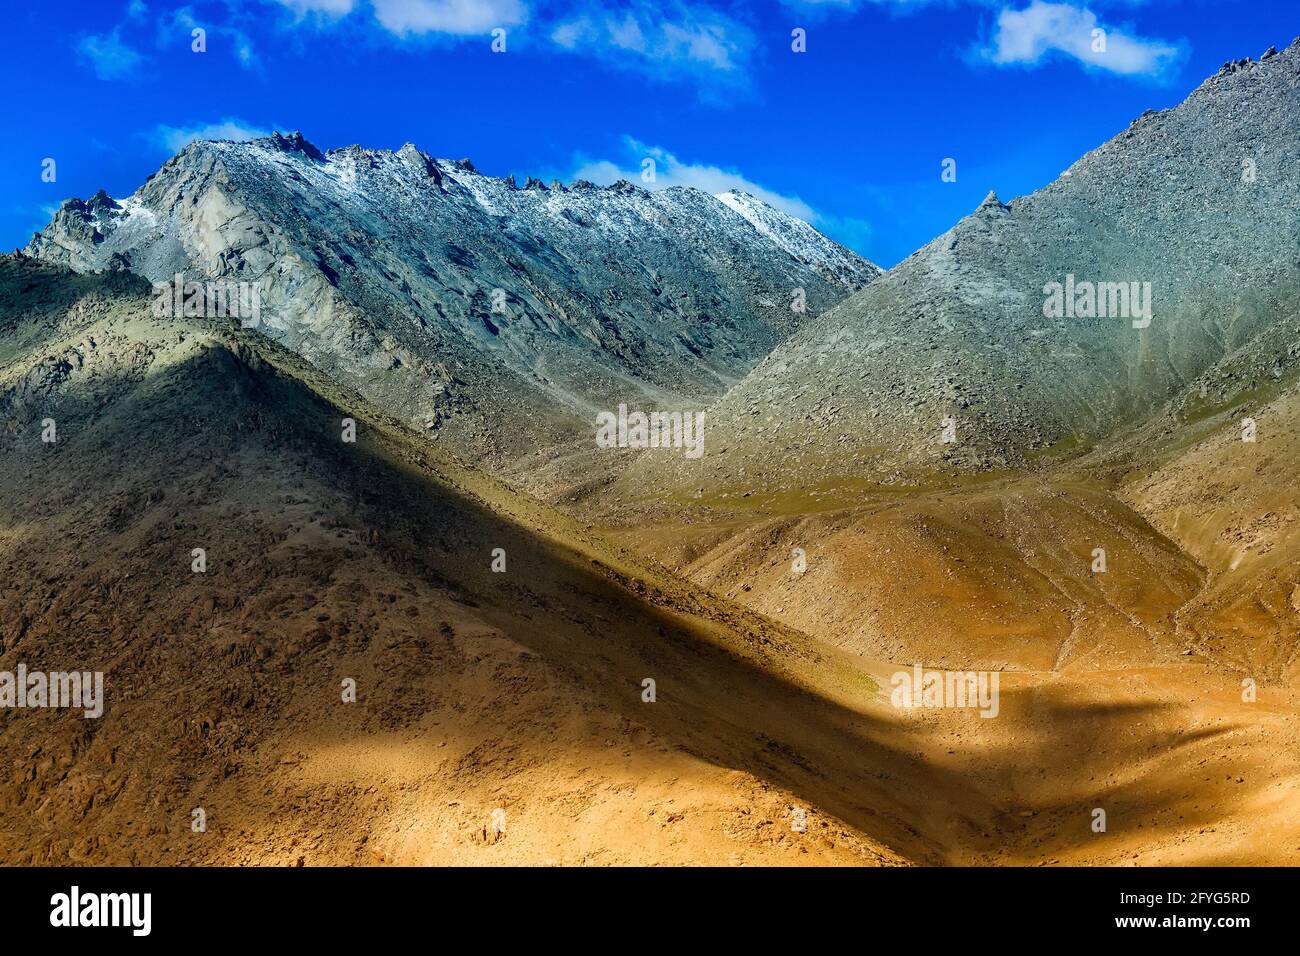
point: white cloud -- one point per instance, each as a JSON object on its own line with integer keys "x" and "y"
{"x": 848, "y": 5}
{"x": 110, "y": 58}
{"x": 175, "y": 138}
{"x": 184, "y": 22}
{"x": 331, "y": 8}
{"x": 457, "y": 17}
{"x": 1026, "y": 36}
{"x": 821, "y": 10}
{"x": 847, "y": 231}
{"x": 671, "y": 171}
{"x": 665, "y": 39}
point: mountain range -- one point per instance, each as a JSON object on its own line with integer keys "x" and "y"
{"x": 496, "y": 317}
{"x": 1198, "y": 203}
{"x": 1056, "y": 444}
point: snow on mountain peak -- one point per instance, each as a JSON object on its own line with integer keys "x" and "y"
{"x": 472, "y": 304}
{"x": 792, "y": 234}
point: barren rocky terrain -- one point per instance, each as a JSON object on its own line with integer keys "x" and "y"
{"x": 767, "y": 591}
{"x": 1202, "y": 202}
{"x": 494, "y": 317}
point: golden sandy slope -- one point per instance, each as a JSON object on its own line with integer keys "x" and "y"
{"x": 1122, "y": 690}
{"x": 1234, "y": 505}
{"x": 477, "y": 691}
{"x": 522, "y": 691}
{"x": 992, "y": 575}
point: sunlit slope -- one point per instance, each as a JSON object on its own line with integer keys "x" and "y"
{"x": 1225, "y": 487}
{"x": 327, "y": 560}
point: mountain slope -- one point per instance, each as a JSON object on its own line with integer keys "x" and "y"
{"x": 1202, "y": 202}
{"x": 804, "y": 243}
{"x": 502, "y": 318}
{"x": 480, "y": 692}
{"x": 1231, "y": 503}
{"x": 328, "y": 560}
{"x": 994, "y": 575}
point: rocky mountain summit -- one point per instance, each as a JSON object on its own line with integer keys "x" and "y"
{"x": 499, "y": 316}
{"x": 1165, "y": 262}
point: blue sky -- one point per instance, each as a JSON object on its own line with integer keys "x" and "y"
{"x": 850, "y": 134}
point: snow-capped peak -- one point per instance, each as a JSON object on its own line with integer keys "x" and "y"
{"x": 792, "y": 234}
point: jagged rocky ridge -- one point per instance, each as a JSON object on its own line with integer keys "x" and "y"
{"x": 382, "y": 268}
{"x": 1202, "y": 201}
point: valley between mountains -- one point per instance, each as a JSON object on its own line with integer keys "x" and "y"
{"x": 828, "y": 537}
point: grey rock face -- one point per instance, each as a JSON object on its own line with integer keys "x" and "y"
{"x": 497, "y": 316}
{"x": 1202, "y": 202}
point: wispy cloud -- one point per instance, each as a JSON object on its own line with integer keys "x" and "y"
{"x": 850, "y": 6}
{"x": 331, "y": 8}
{"x": 668, "y": 40}
{"x": 183, "y": 22}
{"x": 1026, "y": 37}
{"x": 664, "y": 39}
{"x": 671, "y": 171}
{"x": 175, "y": 138}
{"x": 108, "y": 56}
{"x": 453, "y": 17}
{"x": 112, "y": 59}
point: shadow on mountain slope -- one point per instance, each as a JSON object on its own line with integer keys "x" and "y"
{"x": 476, "y": 691}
